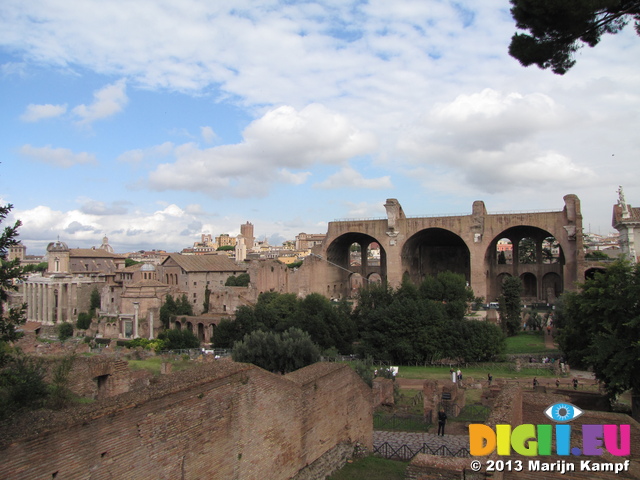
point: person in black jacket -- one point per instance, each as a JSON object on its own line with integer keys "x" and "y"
{"x": 442, "y": 419}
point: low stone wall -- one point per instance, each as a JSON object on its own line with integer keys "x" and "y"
{"x": 382, "y": 392}
{"x": 432, "y": 467}
{"x": 507, "y": 407}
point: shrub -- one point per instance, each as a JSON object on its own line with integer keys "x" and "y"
{"x": 60, "y": 395}
{"x": 241, "y": 280}
{"x": 286, "y": 352}
{"x": 22, "y": 383}
{"x": 179, "y": 339}
{"x": 364, "y": 371}
{"x": 65, "y": 330}
{"x": 84, "y": 321}
{"x": 156, "y": 345}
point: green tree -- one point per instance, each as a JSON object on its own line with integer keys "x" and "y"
{"x": 510, "y": 305}
{"x": 424, "y": 323}
{"x": 84, "y": 321}
{"x": 596, "y": 255}
{"x": 277, "y": 352}
{"x": 175, "y": 339}
{"x": 559, "y": 28}
{"x": 527, "y": 251}
{"x": 206, "y": 303}
{"x": 65, "y": 331}
{"x": 95, "y": 301}
{"x": 241, "y": 280}
{"x": 22, "y": 383}
{"x": 168, "y": 311}
{"x": 328, "y": 323}
{"x": 10, "y": 271}
{"x": 129, "y": 262}
{"x": 35, "y": 267}
{"x": 183, "y": 307}
{"x": 60, "y": 394}
{"x": 599, "y": 327}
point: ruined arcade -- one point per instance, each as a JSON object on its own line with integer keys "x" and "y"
{"x": 465, "y": 244}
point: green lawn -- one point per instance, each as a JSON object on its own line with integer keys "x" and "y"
{"x": 371, "y": 468}
{"x": 153, "y": 364}
{"x": 477, "y": 372}
{"x": 527, "y": 342}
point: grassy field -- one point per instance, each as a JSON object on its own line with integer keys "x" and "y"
{"x": 153, "y": 364}
{"x": 477, "y": 372}
{"x": 527, "y": 342}
{"x": 371, "y": 468}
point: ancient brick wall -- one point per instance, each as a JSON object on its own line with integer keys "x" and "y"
{"x": 221, "y": 420}
{"x": 101, "y": 377}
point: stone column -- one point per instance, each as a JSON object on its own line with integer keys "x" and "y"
{"x": 39, "y": 296}
{"x": 136, "y": 307}
{"x": 49, "y": 306}
{"x": 150, "y": 324}
{"x": 27, "y": 298}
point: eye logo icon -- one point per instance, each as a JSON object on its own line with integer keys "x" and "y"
{"x": 563, "y": 412}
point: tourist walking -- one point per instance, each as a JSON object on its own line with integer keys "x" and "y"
{"x": 490, "y": 378}
{"x": 535, "y": 382}
{"x": 442, "y": 419}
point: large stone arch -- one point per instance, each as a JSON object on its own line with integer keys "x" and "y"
{"x": 533, "y": 270}
{"x": 434, "y": 250}
{"x": 591, "y": 272}
{"x": 339, "y": 281}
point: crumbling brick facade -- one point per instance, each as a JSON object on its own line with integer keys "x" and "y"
{"x": 221, "y": 420}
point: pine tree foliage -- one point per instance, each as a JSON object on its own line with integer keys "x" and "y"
{"x": 557, "y": 29}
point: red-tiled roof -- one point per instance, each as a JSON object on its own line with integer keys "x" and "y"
{"x": 205, "y": 263}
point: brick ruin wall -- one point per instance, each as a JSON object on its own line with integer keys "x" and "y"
{"x": 220, "y": 420}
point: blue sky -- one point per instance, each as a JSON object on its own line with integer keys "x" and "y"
{"x": 153, "y": 121}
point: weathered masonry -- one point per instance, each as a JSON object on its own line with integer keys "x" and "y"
{"x": 222, "y": 420}
{"x": 544, "y": 249}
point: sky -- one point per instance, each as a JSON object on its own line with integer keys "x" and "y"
{"x": 153, "y": 122}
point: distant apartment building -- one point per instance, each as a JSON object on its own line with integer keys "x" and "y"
{"x": 19, "y": 251}
{"x": 224, "y": 240}
{"x": 306, "y": 241}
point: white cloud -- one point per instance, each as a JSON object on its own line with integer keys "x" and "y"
{"x": 492, "y": 141}
{"x": 348, "y": 177}
{"x": 34, "y": 112}
{"x": 404, "y": 81}
{"x": 127, "y": 231}
{"x": 58, "y": 157}
{"x": 275, "y": 145}
{"x": 208, "y": 135}
{"x": 140, "y": 154}
{"x": 107, "y": 102}
{"x": 364, "y": 210}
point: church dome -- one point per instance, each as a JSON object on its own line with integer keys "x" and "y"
{"x": 105, "y": 245}
{"x": 57, "y": 247}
